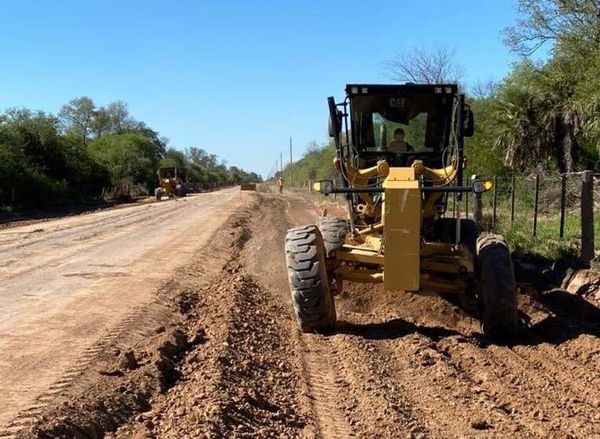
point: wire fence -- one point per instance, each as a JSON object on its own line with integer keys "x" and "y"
{"x": 554, "y": 211}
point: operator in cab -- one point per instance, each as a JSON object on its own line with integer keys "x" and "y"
{"x": 399, "y": 144}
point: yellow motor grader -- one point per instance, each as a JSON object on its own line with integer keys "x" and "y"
{"x": 399, "y": 155}
{"x": 169, "y": 184}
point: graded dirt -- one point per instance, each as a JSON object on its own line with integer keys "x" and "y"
{"x": 221, "y": 356}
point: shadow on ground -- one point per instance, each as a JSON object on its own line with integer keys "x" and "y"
{"x": 392, "y": 329}
{"x": 569, "y": 316}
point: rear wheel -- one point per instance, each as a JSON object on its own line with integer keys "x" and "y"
{"x": 180, "y": 190}
{"x": 334, "y": 232}
{"x": 498, "y": 297}
{"x": 444, "y": 230}
{"x": 313, "y": 303}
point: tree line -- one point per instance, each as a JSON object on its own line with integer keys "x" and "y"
{"x": 48, "y": 159}
{"x": 544, "y": 117}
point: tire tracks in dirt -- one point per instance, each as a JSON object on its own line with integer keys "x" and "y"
{"x": 325, "y": 387}
{"x": 97, "y": 231}
{"x": 351, "y": 394}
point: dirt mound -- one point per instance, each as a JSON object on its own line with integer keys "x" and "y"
{"x": 585, "y": 283}
{"x": 242, "y": 383}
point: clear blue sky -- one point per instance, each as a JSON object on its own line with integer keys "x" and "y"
{"x": 233, "y": 77}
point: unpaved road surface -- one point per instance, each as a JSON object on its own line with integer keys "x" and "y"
{"x": 218, "y": 354}
{"x": 66, "y": 286}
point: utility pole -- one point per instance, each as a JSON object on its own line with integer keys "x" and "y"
{"x": 281, "y": 161}
{"x": 291, "y": 165}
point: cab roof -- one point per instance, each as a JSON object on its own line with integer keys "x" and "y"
{"x": 400, "y": 89}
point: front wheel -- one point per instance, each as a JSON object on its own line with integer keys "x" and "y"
{"x": 311, "y": 298}
{"x": 180, "y": 191}
{"x": 497, "y": 298}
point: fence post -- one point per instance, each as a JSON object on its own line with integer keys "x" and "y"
{"x": 478, "y": 214}
{"x": 563, "y": 198}
{"x": 454, "y": 205}
{"x": 535, "y": 203}
{"x": 587, "y": 218}
{"x": 495, "y": 204}
{"x": 512, "y": 200}
{"x": 467, "y": 204}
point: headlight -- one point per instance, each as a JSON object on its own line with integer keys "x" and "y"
{"x": 480, "y": 186}
{"x": 323, "y": 186}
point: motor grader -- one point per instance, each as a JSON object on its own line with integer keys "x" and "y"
{"x": 399, "y": 231}
{"x": 169, "y": 184}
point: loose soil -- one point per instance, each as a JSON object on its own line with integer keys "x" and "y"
{"x": 222, "y": 357}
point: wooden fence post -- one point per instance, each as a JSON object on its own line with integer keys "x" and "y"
{"x": 587, "y": 218}
{"x": 478, "y": 214}
{"x": 536, "y": 203}
{"x": 512, "y": 200}
{"x": 563, "y": 198}
{"x": 495, "y": 201}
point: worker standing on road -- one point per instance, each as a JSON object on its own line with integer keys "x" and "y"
{"x": 280, "y": 182}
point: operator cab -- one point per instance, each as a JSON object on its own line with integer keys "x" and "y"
{"x": 424, "y": 113}
{"x": 432, "y": 121}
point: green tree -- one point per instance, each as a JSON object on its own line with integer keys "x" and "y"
{"x": 129, "y": 157}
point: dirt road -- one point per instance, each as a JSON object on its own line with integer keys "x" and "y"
{"x": 67, "y": 285}
{"x": 222, "y": 357}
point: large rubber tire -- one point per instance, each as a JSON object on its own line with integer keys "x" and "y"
{"x": 313, "y": 304}
{"x": 180, "y": 190}
{"x": 498, "y": 297}
{"x": 334, "y": 232}
{"x": 158, "y": 193}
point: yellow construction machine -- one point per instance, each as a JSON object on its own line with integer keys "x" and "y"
{"x": 169, "y": 184}
{"x": 399, "y": 155}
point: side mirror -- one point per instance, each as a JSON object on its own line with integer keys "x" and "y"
{"x": 335, "y": 118}
{"x": 332, "y": 132}
{"x": 335, "y": 128}
{"x": 469, "y": 123}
